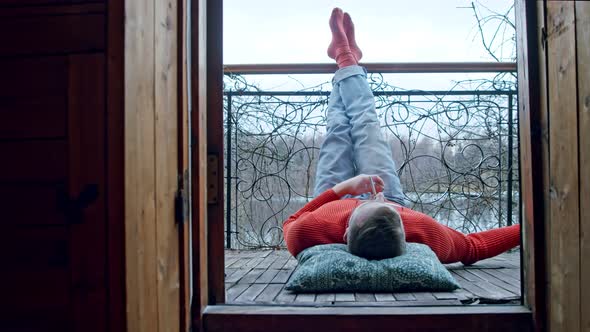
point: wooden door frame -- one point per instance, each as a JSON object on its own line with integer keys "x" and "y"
{"x": 209, "y": 312}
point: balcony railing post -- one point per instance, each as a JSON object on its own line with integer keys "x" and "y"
{"x": 228, "y": 175}
{"x": 510, "y": 146}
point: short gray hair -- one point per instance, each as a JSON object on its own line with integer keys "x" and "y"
{"x": 381, "y": 235}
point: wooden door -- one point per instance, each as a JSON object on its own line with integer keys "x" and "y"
{"x": 52, "y": 173}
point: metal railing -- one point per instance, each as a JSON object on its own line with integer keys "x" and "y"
{"x": 457, "y": 152}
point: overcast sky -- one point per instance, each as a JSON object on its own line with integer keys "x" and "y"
{"x": 275, "y": 31}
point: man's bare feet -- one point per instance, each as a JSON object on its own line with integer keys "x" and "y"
{"x": 349, "y": 30}
{"x": 339, "y": 48}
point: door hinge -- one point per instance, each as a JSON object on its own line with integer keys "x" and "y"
{"x": 181, "y": 200}
{"x": 212, "y": 179}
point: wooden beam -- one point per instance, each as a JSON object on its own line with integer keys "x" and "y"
{"x": 215, "y": 146}
{"x": 532, "y": 174}
{"x": 115, "y": 117}
{"x": 290, "y": 318}
{"x": 198, "y": 100}
{"x": 564, "y": 226}
{"x": 399, "y": 68}
{"x": 583, "y": 65}
{"x": 166, "y": 162}
{"x": 140, "y": 186}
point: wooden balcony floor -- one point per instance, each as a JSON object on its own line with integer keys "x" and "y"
{"x": 259, "y": 277}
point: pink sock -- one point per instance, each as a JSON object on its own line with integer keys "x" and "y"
{"x": 349, "y": 30}
{"x": 339, "y": 48}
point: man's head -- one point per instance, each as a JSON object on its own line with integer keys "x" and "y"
{"x": 375, "y": 231}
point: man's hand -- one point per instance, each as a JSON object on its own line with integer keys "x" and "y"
{"x": 358, "y": 185}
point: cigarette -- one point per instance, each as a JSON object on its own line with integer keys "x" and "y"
{"x": 373, "y": 186}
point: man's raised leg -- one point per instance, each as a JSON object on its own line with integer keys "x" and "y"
{"x": 372, "y": 155}
{"x": 335, "y": 163}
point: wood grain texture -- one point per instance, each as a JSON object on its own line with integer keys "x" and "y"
{"x": 86, "y": 150}
{"x": 183, "y": 164}
{"x": 140, "y": 168}
{"x": 53, "y": 34}
{"x": 528, "y": 33}
{"x": 166, "y": 158}
{"x": 564, "y": 232}
{"x": 198, "y": 79}
{"x": 583, "y": 65}
{"x": 115, "y": 163}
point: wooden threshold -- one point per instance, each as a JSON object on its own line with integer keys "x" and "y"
{"x": 309, "y": 319}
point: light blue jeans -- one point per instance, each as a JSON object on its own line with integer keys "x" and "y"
{"x": 354, "y": 143}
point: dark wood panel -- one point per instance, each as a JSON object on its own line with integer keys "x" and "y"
{"x": 33, "y": 161}
{"x": 30, "y": 205}
{"x": 33, "y": 248}
{"x": 44, "y": 2}
{"x": 33, "y": 97}
{"x": 35, "y": 278}
{"x": 55, "y": 8}
{"x": 274, "y": 318}
{"x": 86, "y": 164}
{"x": 52, "y": 34}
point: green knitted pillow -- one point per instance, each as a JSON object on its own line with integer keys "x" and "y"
{"x": 331, "y": 268}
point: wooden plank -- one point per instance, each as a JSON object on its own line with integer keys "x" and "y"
{"x": 253, "y": 262}
{"x": 115, "y": 163}
{"x": 34, "y": 88}
{"x": 199, "y": 193}
{"x": 166, "y": 158}
{"x": 325, "y": 297}
{"x": 533, "y": 149}
{"x": 184, "y": 165}
{"x": 583, "y": 67}
{"x": 53, "y": 34}
{"x": 564, "y": 235}
{"x": 305, "y": 298}
{"x": 280, "y": 262}
{"x": 251, "y": 293}
{"x": 140, "y": 168}
{"x": 86, "y": 127}
{"x": 424, "y": 296}
{"x": 483, "y": 289}
{"x": 285, "y": 297}
{"x": 500, "y": 274}
{"x": 291, "y": 263}
{"x": 26, "y": 156}
{"x": 404, "y": 296}
{"x": 240, "y": 262}
{"x": 269, "y": 293}
{"x": 234, "y": 291}
{"x": 267, "y": 276}
{"x": 282, "y": 276}
{"x": 214, "y": 140}
{"x": 267, "y": 261}
{"x": 513, "y": 288}
{"x": 235, "y": 277}
{"x": 293, "y": 318}
{"x": 344, "y": 297}
{"x": 383, "y": 297}
{"x": 251, "y": 276}
{"x": 364, "y": 297}
{"x": 229, "y": 261}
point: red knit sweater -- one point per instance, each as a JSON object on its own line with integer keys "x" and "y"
{"x": 324, "y": 219}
